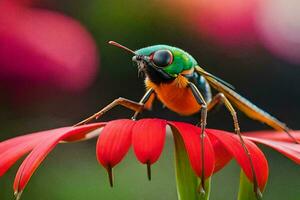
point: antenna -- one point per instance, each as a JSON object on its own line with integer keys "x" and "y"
{"x": 121, "y": 47}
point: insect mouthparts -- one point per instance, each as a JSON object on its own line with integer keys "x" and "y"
{"x": 138, "y": 58}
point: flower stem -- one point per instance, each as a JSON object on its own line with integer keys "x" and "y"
{"x": 187, "y": 181}
{"x": 246, "y": 191}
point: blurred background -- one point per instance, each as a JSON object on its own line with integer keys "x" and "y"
{"x": 56, "y": 68}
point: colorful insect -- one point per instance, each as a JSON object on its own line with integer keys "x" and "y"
{"x": 174, "y": 77}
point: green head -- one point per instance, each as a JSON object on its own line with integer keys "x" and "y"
{"x": 161, "y": 63}
{"x": 178, "y": 61}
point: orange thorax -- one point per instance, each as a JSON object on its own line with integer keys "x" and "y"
{"x": 176, "y": 95}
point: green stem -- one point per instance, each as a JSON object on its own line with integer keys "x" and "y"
{"x": 186, "y": 180}
{"x": 246, "y": 189}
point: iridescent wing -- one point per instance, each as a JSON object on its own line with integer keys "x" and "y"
{"x": 242, "y": 103}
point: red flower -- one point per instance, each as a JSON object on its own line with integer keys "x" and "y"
{"x": 147, "y": 137}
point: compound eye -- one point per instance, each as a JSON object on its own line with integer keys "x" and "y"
{"x": 162, "y": 58}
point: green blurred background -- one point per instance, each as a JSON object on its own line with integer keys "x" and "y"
{"x": 71, "y": 170}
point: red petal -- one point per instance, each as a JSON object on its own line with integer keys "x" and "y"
{"x": 291, "y": 150}
{"x": 7, "y": 144}
{"x": 148, "y": 138}
{"x": 222, "y": 156}
{"x": 191, "y": 138}
{"x": 13, "y": 149}
{"x": 114, "y": 142}
{"x": 233, "y": 145}
{"x": 274, "y": 135}
{"x": 39, "y": 153}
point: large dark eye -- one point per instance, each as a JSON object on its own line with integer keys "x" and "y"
{"x": 162, "y": 58}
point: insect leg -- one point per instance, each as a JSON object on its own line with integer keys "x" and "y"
{"x": 143, "y": 101}
{"x": 221, "y": 98}
{"x": 132, "y": 105}
{"x": 199, "y": 98}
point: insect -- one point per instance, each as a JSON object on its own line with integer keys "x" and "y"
{"x": 174, "y": 77}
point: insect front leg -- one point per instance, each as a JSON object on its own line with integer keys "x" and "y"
{"x": 143, "y": 101}
{"x": 200, "y": 100}
{"x": 132, "y": 105}
{"x": 221, "y": 98}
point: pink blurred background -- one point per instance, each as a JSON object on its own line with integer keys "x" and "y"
{"x": 44, "y": 48}
{"x": 237, "y": 24}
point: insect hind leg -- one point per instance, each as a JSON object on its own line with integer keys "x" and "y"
{"x": 221, "y": 98}
{"x": 287, "y": 131}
